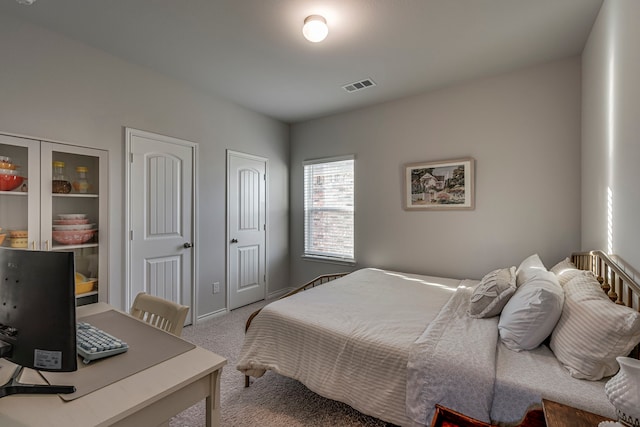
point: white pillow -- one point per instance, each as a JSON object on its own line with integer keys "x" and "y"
{"x": 532, "y": 312}
{"x": 562, "y": 265}
{"x": 529, "y": 268}
{"x": 593, "y": 331}
{"x": 565, "y": 270}
{"x": 492, "y": 293}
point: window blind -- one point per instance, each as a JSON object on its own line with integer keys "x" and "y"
{"x": 329, "y": 208}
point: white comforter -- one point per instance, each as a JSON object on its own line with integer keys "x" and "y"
{"x": 353, "y": 345}
{"x": 391, "y": 345}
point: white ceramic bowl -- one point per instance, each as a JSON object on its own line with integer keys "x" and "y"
{"x": 73, "y": 227}
{"x": 9, "y": 172}
{"x": 70, "y": 221}
{"x": 72, "y": 216}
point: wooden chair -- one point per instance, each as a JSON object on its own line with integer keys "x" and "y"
{"x": 161, "y": 313}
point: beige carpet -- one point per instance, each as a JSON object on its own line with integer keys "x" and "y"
{"x": 272, "y": 400}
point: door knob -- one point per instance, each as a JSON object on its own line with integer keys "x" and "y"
{"x": 187, "y": 245}
{"x": 234, "y": 240}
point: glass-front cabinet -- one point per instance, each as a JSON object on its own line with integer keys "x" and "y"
{"x": 53, "y": 197}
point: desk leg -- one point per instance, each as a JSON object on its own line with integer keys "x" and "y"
{"x": 212, "y": 402}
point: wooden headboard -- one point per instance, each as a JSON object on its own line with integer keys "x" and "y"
{"x": 615, "y": 282}
{"x": 618, "y": 285}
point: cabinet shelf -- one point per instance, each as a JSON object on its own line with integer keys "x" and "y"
{"x": 75, "y": 195}
{"x": 14, "y": 193}
{"x": 70, "y": 247}
{"x": 87, "y": 294}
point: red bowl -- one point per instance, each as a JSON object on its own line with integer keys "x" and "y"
{"x": 10, "y": 182}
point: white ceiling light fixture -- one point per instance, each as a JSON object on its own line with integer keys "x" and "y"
{"x": 27, "y": 2}
{"x": 315, "y": 28}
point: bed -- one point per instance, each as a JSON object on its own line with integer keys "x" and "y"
{"x": 392, "y": 344}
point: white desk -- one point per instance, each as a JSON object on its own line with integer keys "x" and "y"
{"x": 149, "y": 398}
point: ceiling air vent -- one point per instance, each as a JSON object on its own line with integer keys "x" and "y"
{"x": 356, "y": 86}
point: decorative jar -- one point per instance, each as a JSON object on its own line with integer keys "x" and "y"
{"x": 623, "y": 391}
{"x": 81, "y": 185}
{"x": 60, "y": 184}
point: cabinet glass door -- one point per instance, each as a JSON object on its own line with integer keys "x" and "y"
{"x": 71, "y": 211}
{"x": 19, "y": 193}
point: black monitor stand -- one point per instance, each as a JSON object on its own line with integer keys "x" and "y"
{"x": 13, "y": 386}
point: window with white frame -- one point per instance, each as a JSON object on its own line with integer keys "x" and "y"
{"x": 328, "y": 208}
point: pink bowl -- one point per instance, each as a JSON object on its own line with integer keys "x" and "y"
{"x": 73, "y": 237}
{"x": 10, "y": 182}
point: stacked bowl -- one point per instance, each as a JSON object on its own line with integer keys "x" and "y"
{"x": 73, "y": 229}
{"x": 9, "y": 178}
{"x": 19, "y": 238}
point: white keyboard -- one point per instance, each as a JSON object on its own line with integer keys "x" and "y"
{"x": 94, "y": 343}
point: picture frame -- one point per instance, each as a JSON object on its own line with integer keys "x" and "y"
{"x": 442, "y": 185}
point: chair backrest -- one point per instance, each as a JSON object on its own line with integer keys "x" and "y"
{"x": 161, "y": 313}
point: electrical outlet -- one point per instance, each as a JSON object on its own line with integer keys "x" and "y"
{"x": 216, "y": 287}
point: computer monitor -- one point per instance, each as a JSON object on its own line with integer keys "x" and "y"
{"x": 37, "y": 316}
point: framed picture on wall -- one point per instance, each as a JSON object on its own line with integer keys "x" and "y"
{"x": 440, "y": 185}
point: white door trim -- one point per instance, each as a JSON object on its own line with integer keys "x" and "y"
{"x": 129, "y": 133}
{"x": 231, "y": 153}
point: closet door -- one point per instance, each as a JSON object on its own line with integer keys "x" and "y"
{"x": 162, "y": 234}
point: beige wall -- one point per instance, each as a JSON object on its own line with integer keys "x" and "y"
{"x": 523, "y": 129}
{"x": 54, "y": 88}
{"x": 611, "y": 132}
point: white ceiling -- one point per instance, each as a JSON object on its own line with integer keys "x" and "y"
{"x": 252, "y": 51}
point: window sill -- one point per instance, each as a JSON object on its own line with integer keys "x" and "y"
{"x": 328, "y": 260}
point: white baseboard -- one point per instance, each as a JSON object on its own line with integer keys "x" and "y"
{"x": 279, "y": 293}
{"x": 212, "y": 315}
{"x": 223, "y": 311}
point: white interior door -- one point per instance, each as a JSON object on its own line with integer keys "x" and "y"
{"x": 161, "y": 189}
{"x": 246, "y": 206}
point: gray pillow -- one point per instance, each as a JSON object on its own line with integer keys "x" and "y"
{"x": 493, "y": 293}
{"x": 531, "y": 314}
